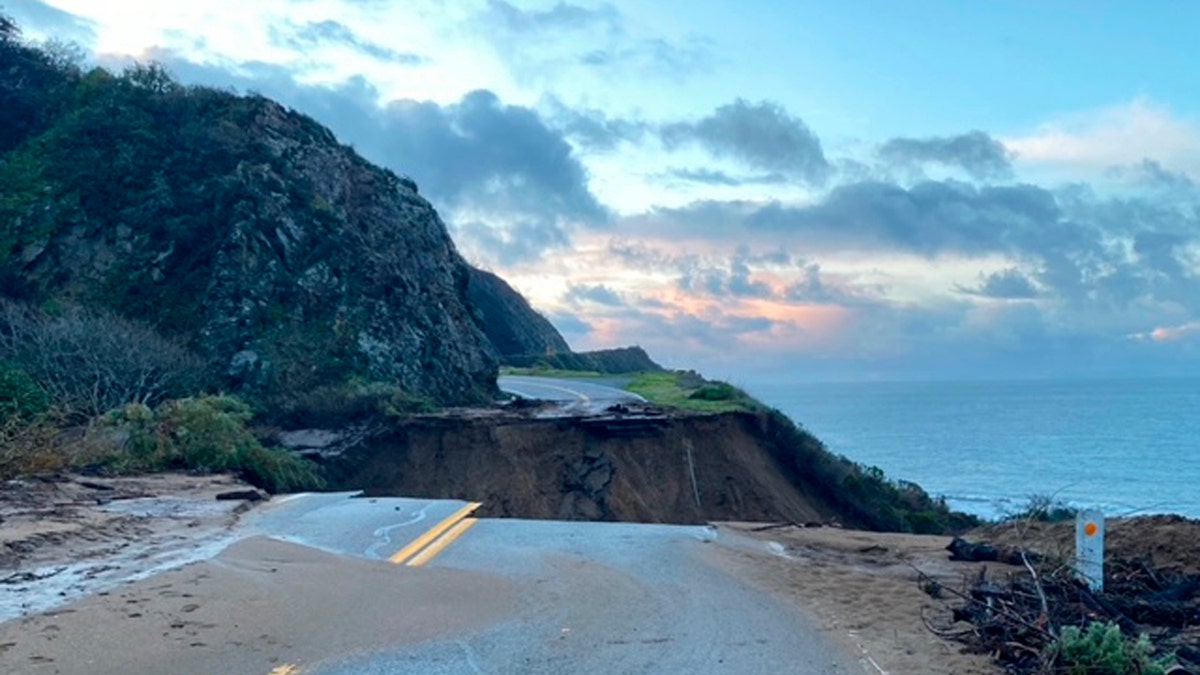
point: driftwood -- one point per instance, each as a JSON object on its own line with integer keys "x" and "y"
{"x": 1017, "y": 618}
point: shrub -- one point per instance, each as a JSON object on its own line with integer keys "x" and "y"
{"x": 1044, "y": 509}
{"x": 717, "y": 391}
{"x": 90, "y": 361}
{"x": 348, "y": 403}
{"x": 20, "y": 397}
{"x": 207, "y": 434}
{"x": 1102, "y": 649}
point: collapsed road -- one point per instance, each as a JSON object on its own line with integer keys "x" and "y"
{"x": 332, "y": 584}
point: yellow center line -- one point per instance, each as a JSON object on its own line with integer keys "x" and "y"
{"x": 442, "y": 542}
{"x": 434, "y": 532}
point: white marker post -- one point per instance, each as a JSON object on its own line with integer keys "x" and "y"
{"x": 1089, "y": 548}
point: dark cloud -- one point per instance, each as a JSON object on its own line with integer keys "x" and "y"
{"x": 37, "y": 16}
{"x": 561, "y": 17}
{"x": 677, "y": 60}
{"x": 312, "y": 34}
{"x": 1098, "y": 256}
{"x": 732, "y": 280}
{"x": 599, "y": 294}
{"x": 976, "y": 153}
{"x": 716, "y": 177}
{"x": 812, "y": 288}
{"x": 594, "y": 129}
{"x": 524, "y": 36}
{"x": 762, "y": 135}
{"x": 1008, "y": 284}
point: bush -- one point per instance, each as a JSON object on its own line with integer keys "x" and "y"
{"x": 349, "y": 403}
{"x": 207, "y": 434}
{"x": 21, "y": 399}
{"x": 1102, "y": 649}
{"x": 717, "y": 391}
{"x": 1044, "y": 509}
{"x": 89, "y": 361}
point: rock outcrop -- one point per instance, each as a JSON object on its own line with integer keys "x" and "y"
{"x": 509, "y": 322}
{"x": 244, "y": 229}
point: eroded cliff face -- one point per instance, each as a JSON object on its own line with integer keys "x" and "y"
{"x": 246, "y": 230}
{"x": 664, "y": 469}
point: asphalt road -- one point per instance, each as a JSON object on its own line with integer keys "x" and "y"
{"x": 331, "y": 584}
{"x": 593, "y": 597}
{"x": 574, "y": 392}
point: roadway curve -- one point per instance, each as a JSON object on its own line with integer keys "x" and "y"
{"x": 566, "y": 391}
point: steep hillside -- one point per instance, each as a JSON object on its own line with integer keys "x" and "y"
{"x": 234, "y": 224}
{"x": 507, "y": 319}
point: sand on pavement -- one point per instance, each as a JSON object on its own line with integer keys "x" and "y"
{"x": 260, "y": 605}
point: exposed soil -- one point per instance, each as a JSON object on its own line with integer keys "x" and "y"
{"x": 862, "y": 588}
{"x": 1168, "y": 542}
{"x": 629, "y": 467}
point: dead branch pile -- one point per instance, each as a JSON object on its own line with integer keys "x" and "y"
{"x": 1018, "y": 619}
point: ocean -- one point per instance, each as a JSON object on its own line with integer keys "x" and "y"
{"x": 1125, "y": 446}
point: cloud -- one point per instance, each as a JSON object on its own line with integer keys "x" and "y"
{"x": 599, "y": 294}
{"x": 560, "y": 17}
{"x": 763, "y": 135}
{"x": 976, "y": 153}
{"x": 706, "y": 176}
{"x": 594, "y": 129}
{"x": 1179, "y": 333}
{"x": 568, "y": 38}
{"x": 313, "y": 34}
{"x": 1113, "y": 136}
{"x": 1008, "y": 284}
{"x": 34, "y": 16}
{"x": 732, "y": 280}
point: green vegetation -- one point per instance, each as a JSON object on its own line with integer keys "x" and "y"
{"x": 1043, "y": 508}
{"x": 21, "y": 398}
{"x": 348, "y": 403}
{"x": 206, "y": 434}
{"x": 546, "y": 371}
{"x": 688, "y": 391}
{"x": 1102, "y": 649}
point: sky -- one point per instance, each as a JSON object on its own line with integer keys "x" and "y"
{"x": 763, "y": 191}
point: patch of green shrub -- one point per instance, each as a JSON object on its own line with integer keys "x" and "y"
{"x": 205, "y": 434}
{"x": 20, "y": 396}
{"x": 1044, "y": 509}
{"x": 717, "y": 391}
{"x": 1102, "y": 649}
{"x": 338, "y": 405}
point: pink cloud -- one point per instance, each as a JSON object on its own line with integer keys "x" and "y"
{"x": 1184, "y": 331}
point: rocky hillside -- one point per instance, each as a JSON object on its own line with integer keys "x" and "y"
{"x": 238, "y": 226}
{"x": 508, "y": 321}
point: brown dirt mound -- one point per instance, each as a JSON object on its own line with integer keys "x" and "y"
{"x": 1167, "y": 542}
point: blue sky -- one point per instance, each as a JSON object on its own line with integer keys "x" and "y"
{"x": 763, "y": 190}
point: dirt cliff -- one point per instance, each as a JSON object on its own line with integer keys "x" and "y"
{"x": 682, "y": 469}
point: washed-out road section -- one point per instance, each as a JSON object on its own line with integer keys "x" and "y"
{"x": 314, "y": 585}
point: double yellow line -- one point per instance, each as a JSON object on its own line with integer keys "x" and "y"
{"x": 423, "y": 549}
